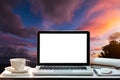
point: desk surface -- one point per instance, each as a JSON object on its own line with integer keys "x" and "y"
{"x": 32, "y": 76}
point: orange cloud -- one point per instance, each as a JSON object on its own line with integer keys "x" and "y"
{"x": 103, "y": 5}
{"x": 103, "y": 23}
{"x": 114, "y": 36}
{"x": 102, "y": 17}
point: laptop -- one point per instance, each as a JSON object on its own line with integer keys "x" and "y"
{"x": 63, "y": 53}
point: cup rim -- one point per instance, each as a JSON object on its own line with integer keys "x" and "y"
{"x": 14, "y": 59}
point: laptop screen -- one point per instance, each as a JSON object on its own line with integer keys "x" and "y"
{"x": 63, "y": 48}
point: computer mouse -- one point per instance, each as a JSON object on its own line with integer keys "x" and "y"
{"x": 106, "y": 70}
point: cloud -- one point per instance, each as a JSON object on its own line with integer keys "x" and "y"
{"x": 57, "y": 11}
{"x": 8, "y": 52}
{"x": 98, "y": 43}
{"x": 94, "y": 38}
{"x": 12, "y": 23}
{"x": 13, "y": 33}
{"x": 12, "y": 46}
{"x": 101, "y": 17}
{"x": 114, "y": 36}
{"x": 100, "y": 6}
{"x": 14, "y": 41}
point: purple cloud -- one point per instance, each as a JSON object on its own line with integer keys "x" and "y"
{"x": 12, "y": 23}
{"x": 7, "y": 52}
{"x": 13, "y": 46}
{"x": 57, "y": 11}
{"x": 14, "y": 41}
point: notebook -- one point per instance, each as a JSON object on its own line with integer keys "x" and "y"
{"x": 63, "y": 53}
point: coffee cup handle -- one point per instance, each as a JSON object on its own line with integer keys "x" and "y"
{"x": 27, "y": 62}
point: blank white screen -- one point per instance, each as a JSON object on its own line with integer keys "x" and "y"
{"x": 63, "y": 48}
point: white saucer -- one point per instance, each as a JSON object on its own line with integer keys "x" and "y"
{"x": 11, "y": 69}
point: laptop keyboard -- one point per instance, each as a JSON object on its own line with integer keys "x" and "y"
{"x": 63, "y": 68}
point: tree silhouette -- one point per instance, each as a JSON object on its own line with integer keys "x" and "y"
{"x": 112, "y": 50}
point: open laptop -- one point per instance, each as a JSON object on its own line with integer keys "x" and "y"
{"x": 63, "y": 53}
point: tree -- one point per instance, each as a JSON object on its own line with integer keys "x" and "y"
{"x": 112, "y": 50}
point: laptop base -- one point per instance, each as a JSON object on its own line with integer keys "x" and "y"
{"x": 88, "y": 72}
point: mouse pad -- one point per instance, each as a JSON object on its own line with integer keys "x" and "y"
{"x": 114, "y": 72}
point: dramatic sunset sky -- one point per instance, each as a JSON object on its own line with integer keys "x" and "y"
{"x": 21, "y": 19}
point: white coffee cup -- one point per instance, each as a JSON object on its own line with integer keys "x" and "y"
{"x": 18, "y": 63}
